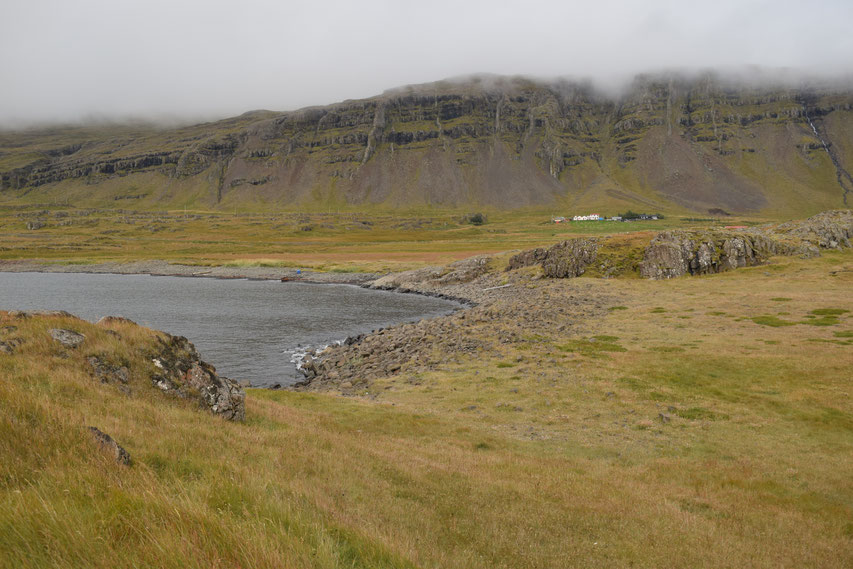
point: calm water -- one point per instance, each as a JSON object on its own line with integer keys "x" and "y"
{"x": 249, "y": 330}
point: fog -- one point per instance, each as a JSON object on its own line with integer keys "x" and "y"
{"x": 200, "y": 59}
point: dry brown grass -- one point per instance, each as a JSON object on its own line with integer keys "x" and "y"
{"x": 565, "y": 461}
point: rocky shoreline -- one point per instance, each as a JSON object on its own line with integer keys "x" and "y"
{"x": 535, "y": 294}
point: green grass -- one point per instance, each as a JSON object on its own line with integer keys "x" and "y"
{"x": 699, "y": 414}
{"x": 595, "y": 347}
{"x": 829, "y": 311}
{"x": 773, "y": 321}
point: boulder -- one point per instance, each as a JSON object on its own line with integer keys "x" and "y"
{"x": 108, "y": 443}
{"x": 179, "y": 370}
{"x": 68, "y": 338}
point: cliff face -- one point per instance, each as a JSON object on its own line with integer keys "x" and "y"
{"x": 667, "y": 143}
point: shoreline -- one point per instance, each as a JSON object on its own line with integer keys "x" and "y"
{"x": 160, "y": 268}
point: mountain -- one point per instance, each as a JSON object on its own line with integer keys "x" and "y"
{"x": 668, "y": 142}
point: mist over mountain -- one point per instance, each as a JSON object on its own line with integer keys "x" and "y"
{"x": 738, "y": 141}
{"x": 199, "y": 59}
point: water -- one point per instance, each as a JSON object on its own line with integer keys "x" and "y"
{"x": 250, "y": 330}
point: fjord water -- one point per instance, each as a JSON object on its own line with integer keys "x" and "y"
{"x": 249, "y": 330}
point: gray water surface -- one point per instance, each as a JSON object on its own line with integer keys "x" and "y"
{"x": 249, "y": 330}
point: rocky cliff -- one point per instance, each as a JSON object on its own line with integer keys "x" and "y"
{"x": 668, "y": 142}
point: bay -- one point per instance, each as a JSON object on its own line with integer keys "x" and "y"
{"x": 249, "y": 330}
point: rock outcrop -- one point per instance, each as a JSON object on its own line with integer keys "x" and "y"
{"x": 105, "y": 372}
{"x": 68, "y": 338}
{"x": 676, "y": 253}
{"x": 827, "y": 230}
{"x": 180, "y": 371}
{"x": 106, "y": 442}
{"x": 564, "y": 260}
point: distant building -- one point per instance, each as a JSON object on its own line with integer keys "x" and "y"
{"x": 590, "y": 217}
{"x": 559, "y": 220}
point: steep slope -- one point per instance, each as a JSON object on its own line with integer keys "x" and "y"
{"x": 669, "y": 143}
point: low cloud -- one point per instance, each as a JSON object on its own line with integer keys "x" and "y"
{"x": 196, "y": 60}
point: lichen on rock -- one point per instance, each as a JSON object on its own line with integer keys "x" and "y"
{"x": 179, "y": 370}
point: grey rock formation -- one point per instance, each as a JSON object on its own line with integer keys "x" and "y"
{"x": 564, "y": 260}
{"x": 106, "y": 372}
{"x": 68, "y": 338}
{"x": 108, "y": 443}
{"x": 570, "y": 258}
{"x": 181, "y": 371}
{"x": 675, "y": 253}
{"x": 464, "y": 271}
{"x": 527, "y": 258}
{"x": 827, "y": 230}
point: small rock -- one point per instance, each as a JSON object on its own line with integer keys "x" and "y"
{"x": 346, "y": 385}
{"x": 121, "y": 456}
{"x": 67, "y": 338}
{"x": 664, "y": 418}
{"x": 106, "y": 372}
{"x": 114, "y": 320}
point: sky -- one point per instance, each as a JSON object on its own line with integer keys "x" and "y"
{"x": 73, "y": 60}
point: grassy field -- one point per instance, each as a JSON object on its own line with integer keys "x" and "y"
{"x": 701, "y": 422}
{"x": 333, "y": 241}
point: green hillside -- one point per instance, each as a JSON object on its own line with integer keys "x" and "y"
{"x": 668, "y": 143}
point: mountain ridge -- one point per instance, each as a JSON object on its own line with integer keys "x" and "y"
{"x": 668, "y": 142}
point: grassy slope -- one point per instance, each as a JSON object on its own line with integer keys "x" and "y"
{"x": 564, "y": 460}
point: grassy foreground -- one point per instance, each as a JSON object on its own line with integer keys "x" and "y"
{"x": 702, "y": 422}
